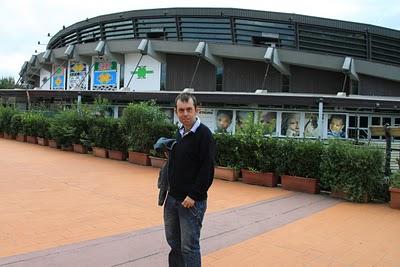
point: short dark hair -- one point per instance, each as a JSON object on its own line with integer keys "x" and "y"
{"x": 184, "y": 97}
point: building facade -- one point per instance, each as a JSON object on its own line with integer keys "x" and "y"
{"x": 302, "y": 76}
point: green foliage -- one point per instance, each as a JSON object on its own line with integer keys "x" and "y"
{"x": 69, "y": 126}
{"x": 227, "y": 150}
{"x": 143, "y": 124}
{"x": 35, "y": 124}
{"x": 251, "y": 139}
{"x": 6, "y": 114}
{"x": 16, "y": 124}
{"x": 267, "y": 156}
{"x": 395, "y": 179}
{"x": 61, "y": 128}
{"x": 100, "y": 107}
{"x": 301, "y": 158}
{"x": 354, "y": 170}
{"x": 7, "y": 83}
{"x": 105, "y": 133}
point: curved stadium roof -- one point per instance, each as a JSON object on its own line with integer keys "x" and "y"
{"x": 241, "y": 27}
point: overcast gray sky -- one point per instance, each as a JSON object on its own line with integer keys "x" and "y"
{"x": 25, "y": 22}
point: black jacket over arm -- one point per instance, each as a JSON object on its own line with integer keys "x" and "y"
{"x": 191, "y": 166}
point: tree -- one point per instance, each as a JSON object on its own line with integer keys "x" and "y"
{"x": 7, "y": 83}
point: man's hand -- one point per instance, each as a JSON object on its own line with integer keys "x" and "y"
{"x": 188, "y": 202}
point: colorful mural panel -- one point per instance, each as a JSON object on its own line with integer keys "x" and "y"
{"x": 77, "y": 75}
{"x": 105, "y": 74}
{"x": 58, "y": 79}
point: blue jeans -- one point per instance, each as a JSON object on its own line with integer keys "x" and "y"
{"x": 182, "y": 230}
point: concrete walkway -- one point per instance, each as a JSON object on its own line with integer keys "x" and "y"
{"x": 64, "y": 209}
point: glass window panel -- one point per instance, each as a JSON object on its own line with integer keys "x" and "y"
{"x": 396, "y": 121}
{"x": 376, "y": 121}
{"x": 386, "y": 120}
{"x": 363, "y": 122}
{"x": 353, "y": 133}
{"x": 353, "y": 121}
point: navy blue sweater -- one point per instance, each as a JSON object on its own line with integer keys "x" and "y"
{"x": 191, "y": 165}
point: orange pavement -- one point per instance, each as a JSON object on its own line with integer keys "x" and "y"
{"x": 347, "y": 234}
{"x": 50, "y": 197}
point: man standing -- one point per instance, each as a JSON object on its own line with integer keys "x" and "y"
{"x": 190, "y": 174}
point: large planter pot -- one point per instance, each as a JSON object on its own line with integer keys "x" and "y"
{"x": 394, "y": 198}
{"x": 259, "y": 178}
{"x": 157, "y": 162}
{"x": 78, "y": 148}
{"x": 8, "y": 136}
{"x": 225, "y": 173}
{"x": 100, "y": 152}
{"x": 300, "y": 184}
{"x": 67, "y": 148}
{"x": 53, "y": 143}
{"x": 43, "y": 141}
{"x": 31, "y": 139}
{"x": 20, "y": 138}
{"x": 117, "y": 155}
{"x": 139, "y": 158}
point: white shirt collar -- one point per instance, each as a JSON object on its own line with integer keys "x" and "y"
{"x": 193, "y": 129}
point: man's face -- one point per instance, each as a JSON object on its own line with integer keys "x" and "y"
{"x": 186, "y": 112}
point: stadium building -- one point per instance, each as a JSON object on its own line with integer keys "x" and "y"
{"x": 303, "y": 76}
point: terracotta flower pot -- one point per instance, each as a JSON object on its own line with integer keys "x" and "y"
{"x": 53, "y": 143}
{"x": 20, "y": 138}
{"x": 31, "y": 139}
{"x": 139, "y": 158}
{"x": 8, "y": 136}
{"x": 157, "y": 162}
{"x": 78, "y": 148}
{"x": 225, "y": 173}
{"x": 259, "y": 178}
{"x": 67, "y": 148}
{"x": 394, "y": 198}
{"x": 300, "y": 184}
{"x": 100, "y": 152}
{"x": 43, "y": 141}
{"x": 117, "y": 155}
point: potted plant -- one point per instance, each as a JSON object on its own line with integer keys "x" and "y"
{"x": 43, "y": 133}
{"x": 62, "y": 130}
{"x": 142, "y": 124}
{"x": 6, "y": 114}
{"x": 257, "y": 154}
{"x": 117, "y": 147}
{"x": 99, "y": 136}
{"x": 31, "y": 124}
{"x": 352, "y": 172}
{"x": 300, "y": 165}
{"x": 395, "y": 190}
{"x": 227, "y": 157}
{"x": 16, "y": 127}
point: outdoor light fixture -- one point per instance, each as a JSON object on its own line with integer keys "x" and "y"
{"x": 100, "y": 48}
{"x": 69, "y": 52}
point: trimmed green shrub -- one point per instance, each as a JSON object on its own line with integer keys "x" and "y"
{"x": 16, "y": 125}
{"x": 395, "y": 179}
{"x": 61, "y": 128}
{"x": 143, "y": 124}
{"x": 6, "y": 114}
{"x": 354, "y": 170}
{"x": 227, "y": 152}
